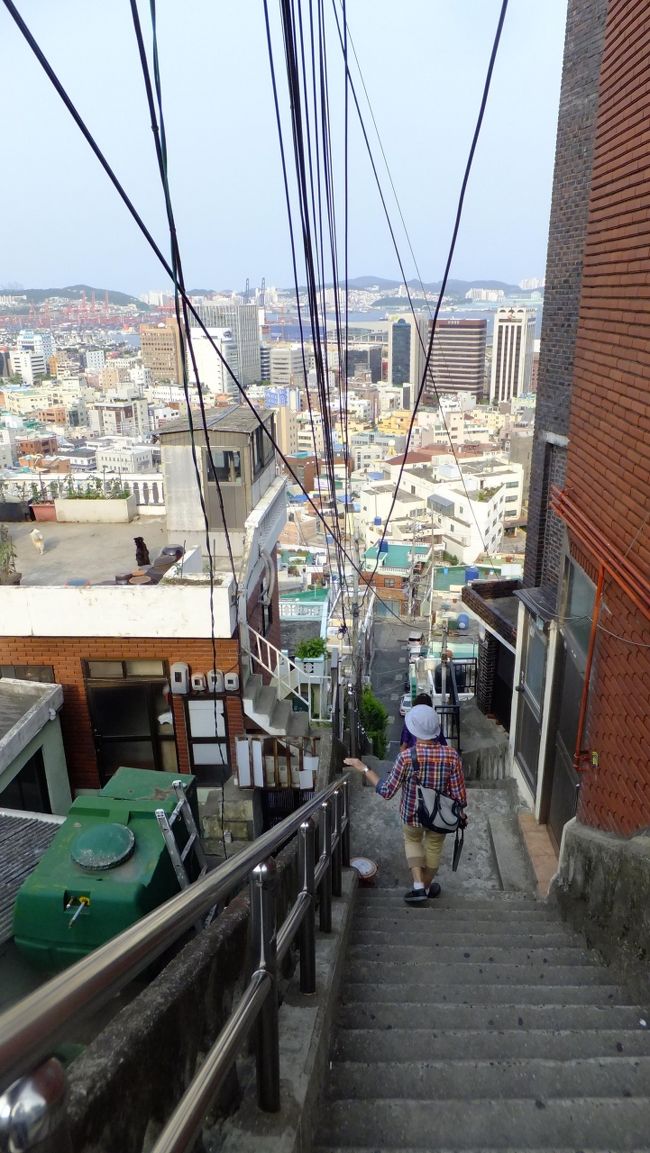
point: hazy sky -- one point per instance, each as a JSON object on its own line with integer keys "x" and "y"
{"x": 424, "y": 64}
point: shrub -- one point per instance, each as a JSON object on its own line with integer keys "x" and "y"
{"x": 374, "y": 718}
{"x": 312, "y": 649}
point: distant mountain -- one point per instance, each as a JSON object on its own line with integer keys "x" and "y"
{"x": 454, "y": 287}
{"x": 74, "y": 292}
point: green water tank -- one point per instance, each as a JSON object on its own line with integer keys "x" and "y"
{"x": 106, "y": 867}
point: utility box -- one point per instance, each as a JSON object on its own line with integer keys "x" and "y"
{"x": 106, "y": 868}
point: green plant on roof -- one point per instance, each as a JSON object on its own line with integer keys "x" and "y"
{"x": 7, "y": 551}
{"x": 311, "y": 649}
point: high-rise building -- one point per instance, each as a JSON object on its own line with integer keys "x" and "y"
{"x": 161, "y": 351}
{"x": 95, "y": 359}
{"x": 512, "y": 353}
{"x": 243, "y": 321}
{"x": 287, "y": 366}
{"x": 265, "y": 362}
{"x": 27, "y": 365}
{"x": 457, "y": 358}
{"x": 213, "y": 373}
{"x": 407, "y": 338}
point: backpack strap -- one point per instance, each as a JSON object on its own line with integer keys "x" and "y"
{"x": 414, "y": 764}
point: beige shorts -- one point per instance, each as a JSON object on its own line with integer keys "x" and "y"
{"x": 423, "y": 848}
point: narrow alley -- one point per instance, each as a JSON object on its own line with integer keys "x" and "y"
{"x": 481, "y": 1021}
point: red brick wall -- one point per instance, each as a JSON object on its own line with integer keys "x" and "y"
{"x": 66, "y": 654}
{"x": 608, "y": 472}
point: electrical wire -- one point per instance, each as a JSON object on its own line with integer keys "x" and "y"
{"x": 434, "y": 317}
{"x": 61, "y": 91}
{"x": 294, "y": 263}
{"x": 182, "y": 320}
{"x": 294, "y": 45}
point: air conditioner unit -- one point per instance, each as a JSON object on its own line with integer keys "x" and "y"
{"x": 199, "y": 683}
{"x": 180, "y": 677}
{"x": 231, "y": 682}
{"x": 215, "y": 681}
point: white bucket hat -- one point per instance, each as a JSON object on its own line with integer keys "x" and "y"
{"x": 423, "y": 722}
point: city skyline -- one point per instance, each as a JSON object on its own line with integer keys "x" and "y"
{"x": 224, "y": 157}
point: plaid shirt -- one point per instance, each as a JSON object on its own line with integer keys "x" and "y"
{"x": 439, "y": 767}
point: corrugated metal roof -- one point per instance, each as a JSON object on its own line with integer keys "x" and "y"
{"x": 23, "y": 841}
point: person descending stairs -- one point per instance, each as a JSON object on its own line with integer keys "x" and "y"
{"x": 478, "y": 1021}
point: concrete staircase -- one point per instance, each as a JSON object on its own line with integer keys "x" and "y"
{"x": 271, "y": 713}
{"x": 477, "y": 1024}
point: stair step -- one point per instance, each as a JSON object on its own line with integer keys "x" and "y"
{"x": 471, "y": 1080}
{"x": 500, "y": 903}
{"x": 489, "y": 1017}
{"x": 280, "y": 715}
{"x": 372, "y": 1046}
{"x": 441, "y": 976}
{"x": 481, "y": 993}
{"x": 609, "y": 1124}
{"x": 265, "y": 701}
{"x": 436, "y": 915}
{"x": 377, "y": 1148}
{"x": 252, "y": 686}
{"x": 298, "y": 724}
{"x": 408, "y": 954}
{"x": 470, "y": 938}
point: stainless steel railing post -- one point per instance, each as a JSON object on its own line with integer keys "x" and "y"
{"x": 337, "y": 851}
{"x": 307, "y": 932}
{"x": 346, "y": 826}
{"x": 264, "y": 944}
{"x": 33, "y": 1113}
{"x": 325, "y": 887}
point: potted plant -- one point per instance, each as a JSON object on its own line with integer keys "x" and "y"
{"x": 8, "y": 574}
{"x": 310, "y": 656}
{"x": 42, "y": 500}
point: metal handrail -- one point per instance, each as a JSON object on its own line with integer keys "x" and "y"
{"x": 31, "y": 1029}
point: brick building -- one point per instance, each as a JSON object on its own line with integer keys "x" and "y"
{"x": 582, "y": 720}
{"x": 112, "y": 643}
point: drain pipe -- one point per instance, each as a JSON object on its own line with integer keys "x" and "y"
{"x": 580, "y": 754}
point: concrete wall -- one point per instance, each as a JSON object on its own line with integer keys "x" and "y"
{"x": 603, "y": 888}
{"x": 109, "y": 511}
{"x": 179, "y": 610}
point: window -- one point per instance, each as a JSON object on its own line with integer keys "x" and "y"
{"x": 42, "y": 673}
{"x": 579, "y": 606}
{"x": 389, "y": 582}
{"x": 224, "y": 465}
{"x": 262, "y": 449}
{"x": 28, "y": 789}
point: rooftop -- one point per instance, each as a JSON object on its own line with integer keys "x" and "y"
{"x": 396, "y": 555}
{"x": 25, "y": 837}
{"x": 237, "y": 418}
{"x": 81, "y": 553}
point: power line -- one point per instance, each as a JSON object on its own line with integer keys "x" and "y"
{"x": 434, "y": 317}
{"x": 160, "y": 141}
{"x": 42, "y": 59}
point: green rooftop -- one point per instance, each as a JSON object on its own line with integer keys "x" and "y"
{"x": 397, "y": 555}
{"x": 309, "y": 596}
